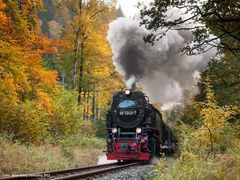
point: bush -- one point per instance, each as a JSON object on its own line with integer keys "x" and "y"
{"x": 30, "y": 123}
{"x": 25, "y": 122}
{"x": 208, "y": 148}
{"x": 66, "y": 118}
{"x": 100, "y": 127}
{"x": 192, "y": 166}
{"x": 198, "y": 161}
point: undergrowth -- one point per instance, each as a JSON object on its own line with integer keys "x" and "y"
{"x": 70, "y": 152}
{"x": 194, "y": 161}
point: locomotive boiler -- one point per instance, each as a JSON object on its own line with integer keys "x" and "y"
{"x": 135, "y": 129}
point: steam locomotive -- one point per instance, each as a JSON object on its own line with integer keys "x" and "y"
{"x": 135, "y": 129}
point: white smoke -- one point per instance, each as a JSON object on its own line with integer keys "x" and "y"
{"x": 102, "y": 159}
{"x": 161, "y": 70}
{"x": 130, "y": 82}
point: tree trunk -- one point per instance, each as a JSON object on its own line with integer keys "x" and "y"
{"x": 76, "y": 50}
{"x": 87, "y": 107}
{"x": 20, "y": 4}
{"x": 97, "y": 109}
{"x": 84, "y": 107}
{"x": 75, "y": 61}
{"x": 63, "y": 79}
{"x": 80, "y": 87}
{"x": 93, "y": 107}
{"x": 80, "y": 7}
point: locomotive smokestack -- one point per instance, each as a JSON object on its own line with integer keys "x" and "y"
{"x": 161, "y": 70}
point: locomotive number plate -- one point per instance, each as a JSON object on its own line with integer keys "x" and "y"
{"x": 127, "y": 112}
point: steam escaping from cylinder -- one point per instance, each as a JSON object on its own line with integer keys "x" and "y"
{"x": 162, "y": 70}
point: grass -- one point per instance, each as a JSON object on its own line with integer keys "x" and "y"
{"x": 16, "y": 158}
{"x": 189, "y": 166}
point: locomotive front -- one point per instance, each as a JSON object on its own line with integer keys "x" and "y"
{"x": 127, "y": 134}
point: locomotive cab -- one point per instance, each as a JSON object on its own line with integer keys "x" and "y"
{"x": 134, "y": 128}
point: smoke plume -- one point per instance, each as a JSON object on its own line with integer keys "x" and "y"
{"x": 161, "y": 70}
{"x": 130, "y": 82}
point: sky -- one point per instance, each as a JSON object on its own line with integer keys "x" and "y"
{"x": 129, "y": 7}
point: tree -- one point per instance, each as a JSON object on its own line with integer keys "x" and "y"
{"x": 24, "y": 81}
{"x": 215, "y": 118}
{"x": 220, "y": 18}
{"x": 93, "y": 58}
{"x": 224, "y": 76}
{"x": 214, "y": 23}
{"x": 75, "y": 9}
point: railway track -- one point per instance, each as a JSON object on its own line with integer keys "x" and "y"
{"x": 76, "y": 173}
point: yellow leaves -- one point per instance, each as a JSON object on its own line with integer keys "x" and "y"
{"x": 101, "y": 44}
{"x": 8, "y": 91}
{"x": 215, "y": 119}
{"x": 90, "y": 28}
{"x": 12, "y": 65}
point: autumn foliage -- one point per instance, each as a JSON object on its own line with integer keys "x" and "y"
{"x": 35, "y": 107}
{"x": 25, "y": 86}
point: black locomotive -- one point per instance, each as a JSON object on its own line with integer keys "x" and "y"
{"x": 135, "y": 129}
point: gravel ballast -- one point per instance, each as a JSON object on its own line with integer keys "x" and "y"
{"x": 131, "y": 173}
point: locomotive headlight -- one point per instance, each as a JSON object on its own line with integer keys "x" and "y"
{"x": 127, "y": 91}
{"x": 138, "y": 130}
{"x": 114, "y": 130}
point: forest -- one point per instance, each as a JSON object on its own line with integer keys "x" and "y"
{"x": 57, "y": 80}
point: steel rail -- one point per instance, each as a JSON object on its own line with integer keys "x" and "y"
{"x": 71, "y": 173}
{"x": 96, "y": 172}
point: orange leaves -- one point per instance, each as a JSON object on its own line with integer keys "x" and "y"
{"x": 21, "y": 68}
{"x": 45, "y": 45}
{"x": 45, "y": 79}
{"x": 64, "y": 43}
{"x": 2, "y": 5}
{"x": 4, "y": 21}
{"x": 3, "y": 17}
{"x": 44, "y": 100}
